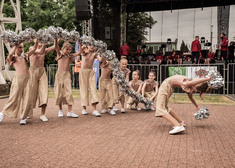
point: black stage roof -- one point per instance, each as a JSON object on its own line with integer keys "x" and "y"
{"x": 160, "y": 5}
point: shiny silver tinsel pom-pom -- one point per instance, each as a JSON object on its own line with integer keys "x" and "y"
{"x": 217, "y": 80}
{"x": 203, "y": 113}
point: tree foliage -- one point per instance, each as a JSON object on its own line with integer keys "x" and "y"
{"x": 137, "y": 24}
{"x": 61, "y": 13}
{"x": 183, "y": 47}
{"x": 58, "y": 13}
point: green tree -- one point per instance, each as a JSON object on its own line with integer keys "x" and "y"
{"x": 137, "y": 28}
{"x": 58, "y": 13}
{"x": 183, "y": 47}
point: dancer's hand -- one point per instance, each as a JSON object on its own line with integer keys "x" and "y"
{"x": 210, "y": 78}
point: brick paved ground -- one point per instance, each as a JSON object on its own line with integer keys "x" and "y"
{"x": 134, "y": 139}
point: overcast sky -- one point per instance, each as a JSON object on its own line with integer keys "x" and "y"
{"x": 180, "y": 24}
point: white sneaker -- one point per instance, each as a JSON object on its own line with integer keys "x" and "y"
{"x": 177, "y": 129}
{"x": 104, "y": 111}
{"x": 96, "y": 113}
{"x": 60, "y": 113}
{"x": 183, "y": 123}
{"x": 72, "y": 115}
{"x": 151, "y": 108}
{"x": 115, "y": 108}
{"x": 84, "y": 112}
{"x": 1, "y": 116}
{"x": 23, "y": 121}
{"x": 128, "y": 107}
{"x": 123, "y": 110}
{"x": 112, "y": 112}
{"x": 44, "y": 118}
{"x": 138, "y": 108}
{"x": 144, "y": 108}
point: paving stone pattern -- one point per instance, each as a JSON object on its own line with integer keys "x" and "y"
{"x": 131, "y": 140}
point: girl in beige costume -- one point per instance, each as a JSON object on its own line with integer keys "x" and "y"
{"x": 38, "y": 79}
{"x": 136, "y": 85}
{"x": 87, "y": 80}
{"x": 19, "y": 93}
{"x": 118, "y": 95}
{"x": 63, "y": 89}
{"x": 105, "y": 88}
{"x": 165, "y": 91}
{"x": 148, "y": 88}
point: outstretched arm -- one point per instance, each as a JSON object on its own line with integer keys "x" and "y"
{"x": 32, "y": 49}
{"x": 190, "y": 96}
{"x": 195, "y": 81}
{"x": 80, "y": 49}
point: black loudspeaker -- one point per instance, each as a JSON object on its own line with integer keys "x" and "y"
{"x": 168, "y": 41}
{"x": 83, "y": 11}
{"x": 203, "y": 40}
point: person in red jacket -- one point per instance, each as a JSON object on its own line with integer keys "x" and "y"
{"x": 124, "y": 50}
{"x": 196, "y": 49}
{"x": 224, "y": 47}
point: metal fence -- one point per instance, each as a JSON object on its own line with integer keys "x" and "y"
{"x": 231, "y": 78}
{"x": 162, "y": 72}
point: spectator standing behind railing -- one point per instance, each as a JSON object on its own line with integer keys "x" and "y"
{"x": 231, "y": 49}
{"x": 196, "y": 49}
{"x": 124, "y": 50}
{"x": 77, "y": 68}
{"x": 224, "y": 47}
{"x": 210, "y": 57}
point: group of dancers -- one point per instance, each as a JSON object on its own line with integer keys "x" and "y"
{"x": 31, "y": 84}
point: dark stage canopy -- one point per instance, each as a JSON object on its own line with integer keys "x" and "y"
{"x": 159, "y": 5}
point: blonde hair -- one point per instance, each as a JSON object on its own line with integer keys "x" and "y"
{"x": 66, "y": 44}
{"x": 123, "y": 59}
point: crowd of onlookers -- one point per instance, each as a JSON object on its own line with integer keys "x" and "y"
{"x": 224, "y": 52}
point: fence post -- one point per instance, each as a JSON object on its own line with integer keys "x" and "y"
{"x": 228, "y": 79}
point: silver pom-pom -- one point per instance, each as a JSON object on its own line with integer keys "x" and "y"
{"x": 87, "y": 40}
{"x": 203, "y": 113}
{"x": 217, "y": 80}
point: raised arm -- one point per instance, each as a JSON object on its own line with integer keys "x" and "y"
{"x": 52, "y": 48}
{"x": 57, "y": 48}
{"x": 190, "y": 96}
{"x": 11, "y": 53}
{"x": 80, "y": 49}
{"x": 32, "y": 49}
{"x": 196, "y": 81}
{"x": 98, "y": 57}
{"x": 42, "y": 50}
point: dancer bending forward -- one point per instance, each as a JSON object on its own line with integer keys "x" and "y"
{"x": 165, "y": 91}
